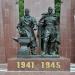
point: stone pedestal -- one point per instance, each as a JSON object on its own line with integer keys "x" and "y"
{"x": 39, "y": 64}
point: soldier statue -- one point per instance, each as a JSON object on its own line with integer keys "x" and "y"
{"x": 48, "y": 32}
{"x": 26, "y": 29}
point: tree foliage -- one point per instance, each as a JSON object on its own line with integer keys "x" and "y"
{"x": 21, "y": 8}
{"x": 57, "y": 7}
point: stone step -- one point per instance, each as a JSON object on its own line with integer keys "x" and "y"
{"x": 72, "y": 65}
{"x": 72, "y": 68}
{"x": 3, "y": 66}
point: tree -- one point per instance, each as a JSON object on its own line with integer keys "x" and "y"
{"x": 21, "y": 8}
{"x": 57, "y": 7}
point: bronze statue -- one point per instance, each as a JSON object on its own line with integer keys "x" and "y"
{"x": 48, "y": 33}
{"x": 26, "y": 29}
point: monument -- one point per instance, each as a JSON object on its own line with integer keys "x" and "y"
{"x": 28, "y": 60}
{"x": 49, "y": 59}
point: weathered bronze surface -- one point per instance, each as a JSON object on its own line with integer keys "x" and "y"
{"x": 27, "y": 39}
{"x": 47, "y": 30}
{"x": 49, "y": 38}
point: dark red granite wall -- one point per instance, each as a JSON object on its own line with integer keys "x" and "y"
{"x": 2, "y": 47}
{"x": 67, "y": 29}
{"x": 9, "y": 26}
